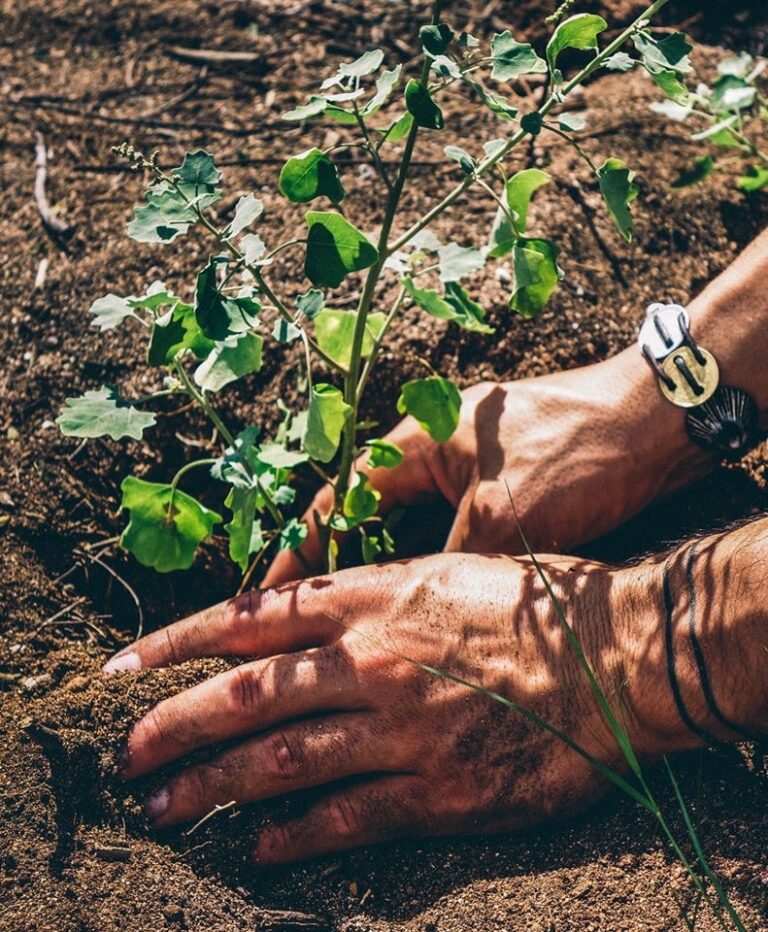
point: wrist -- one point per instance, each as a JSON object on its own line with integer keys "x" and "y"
{"x": 698, "y": 638}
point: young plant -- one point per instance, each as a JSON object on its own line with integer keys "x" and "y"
{"x": 732, "y": 112}
{"x": 207, "y": 339}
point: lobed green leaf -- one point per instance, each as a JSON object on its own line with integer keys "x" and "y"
{"x": 434, "y": 402}
{"x": 103, "y": 413}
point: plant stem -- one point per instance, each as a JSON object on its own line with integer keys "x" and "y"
{"x": 370, "y": 362}
{"x": 352, "y": 376}
{"x": 369, "y": 146}
{"x": 188, "y": 467}
{"x": 207, "y": 407}
{"x": 515, "y": 139}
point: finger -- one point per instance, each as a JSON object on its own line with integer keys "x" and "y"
{"x": 403, "y": 485}
{"x": 248, "y": 698}
{"x": 375, "y": 811}
{"x": 290, "y": 758}
{"x": 258, "y": 623}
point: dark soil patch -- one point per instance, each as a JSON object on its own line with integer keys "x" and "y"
{"x": 74, "y": 850}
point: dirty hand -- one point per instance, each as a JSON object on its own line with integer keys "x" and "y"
{"x": 338, "y": 692}
{"x": 577, "y": 452}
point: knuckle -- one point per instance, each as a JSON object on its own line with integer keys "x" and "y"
{"x": 245, "y": 691}
{"x": 286, "y": 758}
{"x": 345, "y": 816}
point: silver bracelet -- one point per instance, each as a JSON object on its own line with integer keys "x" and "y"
{"x": 720, "y": 418}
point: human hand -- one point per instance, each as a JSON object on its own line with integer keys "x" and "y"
{"x": 578, "y": 453}
{"x": 333, "y": 696}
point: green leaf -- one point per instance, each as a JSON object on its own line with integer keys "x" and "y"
{"x": 315, "y": 107}
{"x": 571, "y": 122}
{"x": 176, "y": 331}
{"x": 328, "y": 413}
{"x": 166, "y": 525}
{"x": 518, "y": 194}
{"x": 278, "y": 457}
{"x": 371, "y": 548}
{"x": 422, "y": 107}
{"x": 670, "y": 53}
{"x": 576, "y": 32}
{"x": 385, "y": 84}
{"x": 244, "y": 529}
{"x": 311, "y": 303}
{"x": 109, "y": 311}
{"x": 671, "y": 85}
{"x": 165, "y": 216}
{"x": 444, "y": 67}
{"x": 309, "y": 175}
{"x": 755, "y": 179}
{"x": 210, "y": 308}
{"x": 730, "y": 92}
{"x": 156, "y": 297}
{"x": 334, "y": 332}
{"x": 512, "y": 58}
{"x": 293, "y": 535}
{"x": 619, "y": 61}
{"x": 436, "y": 39}
{"x": 247, "y": 210}
{"x": 367, "y": 63}
{"x": 284, "y": 331}
{"x": 334, "y": 249}
{"x": 494, "y": 102}
{"x": 534, "y": 262}
{"x": 103, "y": 413}
{"x": 399, "y": 129}
{"x": 360, "y": 503}
{"x": 384, "y": 454}
{"x": 456, "y": 306}
{"x": 618, "y": 190}
{"x": 253, "y": 247}
{"x": 456, "y": 262}
{"x": 461, "y": 156}
{"x": 702, "y": 168}
{"x": 198, "y": 170}
{"x": 434, "y": 402}
{"x": 229, "y": 360}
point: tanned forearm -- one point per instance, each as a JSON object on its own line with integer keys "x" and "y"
{"x": 702, "y": 641}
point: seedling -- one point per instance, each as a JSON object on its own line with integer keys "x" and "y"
{"x": 731, "y": 114}
{"x": 217, "y": 333}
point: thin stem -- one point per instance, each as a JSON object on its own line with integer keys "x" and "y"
{"x": 504, "y": 207}
{"x": 572, "y": 142}
{"x": 283, "y": 246}
{"x": 200, "y": 398}
{"x": 188, "y": 468}
{"x": 366, "y": 298}
{"x": 371, "y": 148}
{"x": 371, "y": 360}
{"x": 517, "y": 137}
{"x": 252, "y": 567}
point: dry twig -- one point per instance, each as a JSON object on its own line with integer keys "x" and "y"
{"x": 55, "y": 226}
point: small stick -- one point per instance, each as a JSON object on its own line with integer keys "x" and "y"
{"x": 127, "y": 586}
{"x": 51, "y": 222}
{"x": 42, "y": 271}
{"x": 214, "y": 56}
{"x": 112, "y": 852}
{"x": 208, "y": 815}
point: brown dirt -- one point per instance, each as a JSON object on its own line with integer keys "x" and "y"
{"x": 69, "y": 69}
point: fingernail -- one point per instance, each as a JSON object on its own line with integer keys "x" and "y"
{"x": 156, "y": 804}
{"x": 121, "y": 662}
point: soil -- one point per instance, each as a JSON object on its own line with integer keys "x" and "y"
{"x": 75, "y": 853}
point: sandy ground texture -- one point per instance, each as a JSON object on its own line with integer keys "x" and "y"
{"x": 75, "y": 853}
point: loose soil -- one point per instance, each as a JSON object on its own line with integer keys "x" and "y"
{"x": 75, "y": 853}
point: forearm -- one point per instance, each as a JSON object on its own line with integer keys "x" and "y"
{"x": 730, "y": 319}
{"x": 701, "y": 641}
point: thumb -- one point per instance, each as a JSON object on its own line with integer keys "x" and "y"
{"x": 412, "y": 480}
